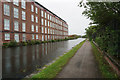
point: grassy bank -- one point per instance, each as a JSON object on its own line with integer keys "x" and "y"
{"x": 104, "y": 67}
{"x": 52, "y": 70}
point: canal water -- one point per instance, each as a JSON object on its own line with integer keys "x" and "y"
{"x": 17, "y": 62}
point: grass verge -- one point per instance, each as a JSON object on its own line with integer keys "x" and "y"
{"x": 52, "y": 70}
{"x": 104, "y": 67}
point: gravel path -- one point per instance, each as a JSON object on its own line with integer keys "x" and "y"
{"x": 82, "y": 64}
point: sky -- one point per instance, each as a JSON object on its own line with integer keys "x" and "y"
{"x": 69, "y": 11}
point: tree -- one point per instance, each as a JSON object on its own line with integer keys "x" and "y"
{"x": 106, "y": 18}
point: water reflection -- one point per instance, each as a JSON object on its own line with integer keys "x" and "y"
{"x": 21, "y": 61}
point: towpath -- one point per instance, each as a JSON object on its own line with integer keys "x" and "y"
{"x": 82, "y": 64}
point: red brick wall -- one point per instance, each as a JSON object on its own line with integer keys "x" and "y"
{"x": 28, "y": 22}
{"x": 0, "y": 23}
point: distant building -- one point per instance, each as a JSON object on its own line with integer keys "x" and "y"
{"x": 22, "y": 21}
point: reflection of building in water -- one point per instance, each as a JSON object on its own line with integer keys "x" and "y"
{"x": 46, "y": 49}
{"x": 30, "y": 21}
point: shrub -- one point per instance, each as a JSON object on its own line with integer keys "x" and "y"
{"x": 52, "y": 40}
{"x": 24, "y": 43}
{"x": 37, "y": 42}
{"x": 12, "y": 44}
{"x": 5, "y": 45}
{"x": 32, "y": 42}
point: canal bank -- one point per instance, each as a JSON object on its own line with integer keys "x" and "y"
{"x": 53, "y": 69}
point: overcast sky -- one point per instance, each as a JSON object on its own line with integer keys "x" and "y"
{"x": 70, "y": 12}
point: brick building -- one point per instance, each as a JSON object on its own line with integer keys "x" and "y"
{"x": 23, "y": 20}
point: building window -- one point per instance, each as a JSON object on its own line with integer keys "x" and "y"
{"x": 45, "y": 23}
{"x": 7, "y": 36}
{"x": 16, "y": 26}
{"x": 45, "y": 15}
{"x": 8, "y": 0}
{"x": 48, "y": 16}
{"x": 42, "y": 37}
{"x": 45, "y": 30}
{"x": 16, "y": 2}
{"x": 36, "y": 36}
{"x": 32, "y": 28}
{"x": 23, "y": 4}
{"x": 36, "y": 28}
{"x": 42, "y": 13}
{"x": 42, "y": 29}
{"x": 16, "y": 13}
{"x": 36, "y": 19}
{"x": 16, "y": 37}
{"x": 32, "y": 36}
{"x": 23, "y": 15}
{"x": 32, "y": 18}
{"x": 6, "y": 24}
{"x": 48, "y": 30}
{"x": 42, "y": 21}
{"x": 6, "y": 10}
{"x": 36, "y": 10}
{"x": 46, "y": 37}
{"x": 23, "y": 27}
{"x": 32, "y": 8}
{"x": 48, "y": 23}
{"x": 23, "y": 37}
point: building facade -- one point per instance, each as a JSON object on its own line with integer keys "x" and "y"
{"x": 22, "y": 20}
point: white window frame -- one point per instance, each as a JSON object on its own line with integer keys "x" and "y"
{"x": 23, "y": 37}
{"x": 16, "y": 37}
{"x": 36, "y": 19}
{"x": 6, "y": 24}
{"x": 32, "y": 28}
{"x": 42, "y": 13}
{"x": 16, "y": 13}
{"x": 32, "y": 8}
{"x": 37, "y": 37}
{"x": 46, "y": 37}
{"x": 32, "y": 18}
{"x": 23, "y": 27}
{"x": 33, "y": 37}
{"x": 48, "y": 31}
{"x": 48, "y": 16}
{"x": 42, "y": 37}
{"x": 7, "y": 36}
{"x": 6, "y": 9}
{"x": 8, "y": 0}
{"x": 23, "y": 15}
{"x": 42, "y": 21}
{"x": 48, "y": 23}
{"x": 45, "y": 22}
{"x": 36, "y": 28}
{"x": 42, "y": 29}
{"x": 36, "y": 10}
{"x": 45, "y": 15}
{"x": 45, "y": 30}
{"x": 16, "y": 25}
{"x": 16, "y": 2}
{"x": 23, "y": 4}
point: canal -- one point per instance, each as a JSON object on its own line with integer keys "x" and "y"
{"x": 17, "y": 62}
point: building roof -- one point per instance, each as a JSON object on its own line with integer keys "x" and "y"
{"x": 49, "y": 10}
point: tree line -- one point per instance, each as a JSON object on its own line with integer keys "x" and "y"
{"x": 104, "y": 28}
